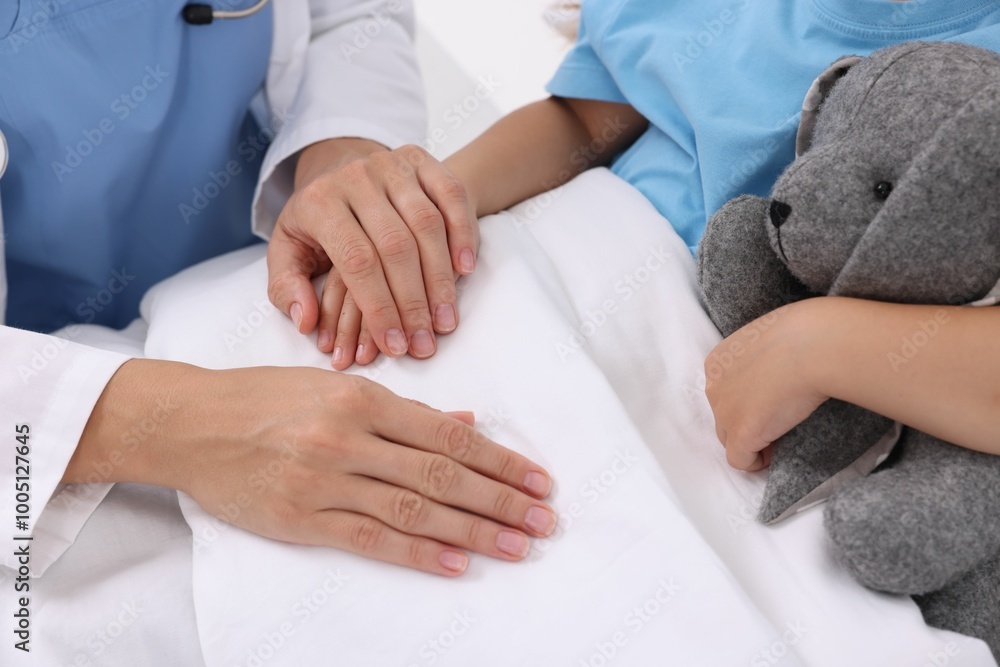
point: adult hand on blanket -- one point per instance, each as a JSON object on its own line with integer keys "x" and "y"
{"x": 395, "y": 227}
{"x": 313, "y": 457}
{"x": 762, "y": 381}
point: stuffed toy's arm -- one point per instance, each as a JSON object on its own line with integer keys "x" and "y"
{"x": 741, "y": 276}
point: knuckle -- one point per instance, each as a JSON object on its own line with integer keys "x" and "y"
{"x": 426, "y": 220}
{"x": 472, "y": 530}
{"x": 372, "y": 400}
{"x": 408, "y": 510}
{"x": 358, "y": 258}
{"x": 505, "y": 466}
{"x": 349, "y": 393}
{"x": 503, "y": 504}
{"x": 362, "y": 391}
{"x": 444, "y": 286}
{"x": 279, "y": 285}
{"x": 398, "y": 169}
{"x": 334, "y": 282}
{"x": 355, "y": 172}
{"x": 287, "y": 516}
{"x": 415, "y": 311}
{"x": 308, "y": 437}
{"x": 735, "y": 457}
{"x": 313, "y": 195}
{"x": 396, "y": 244}
{"x": 456, "y": 440}
{"x": 367, "y": 535}
{"x": 416, "y": 552}
{"x": 414, "y": 153}
{"x": 345, "y": 330}
{"x": 452, "y": 188}
{"x": 382, "y": 311}
{"x": 439, "y": 476}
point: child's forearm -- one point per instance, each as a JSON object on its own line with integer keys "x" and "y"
{"x": 934, "y": 368}
{"x": 541, "y": 146}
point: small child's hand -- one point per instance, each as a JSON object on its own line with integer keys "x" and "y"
{"x": 761, "y": 383}
{"x": 347, "y": 338}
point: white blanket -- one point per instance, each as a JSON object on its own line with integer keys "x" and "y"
{"x": 581, "y": 346}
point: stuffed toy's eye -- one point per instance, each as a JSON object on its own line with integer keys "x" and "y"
{"x": 883, "y": 190}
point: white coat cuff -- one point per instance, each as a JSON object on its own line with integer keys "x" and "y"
{"x": 277, "y": 174}
{"x": 56, "y": 409}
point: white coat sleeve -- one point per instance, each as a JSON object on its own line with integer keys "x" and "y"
{"x": 48, "y": 388}
{"x": 348, "y": 69}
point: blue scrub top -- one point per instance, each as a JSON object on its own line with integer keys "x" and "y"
{"x": 722, "y": 82}
{"x": 132, "y": 151}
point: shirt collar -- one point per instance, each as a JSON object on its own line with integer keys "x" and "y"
{"x": 901, "y": 20}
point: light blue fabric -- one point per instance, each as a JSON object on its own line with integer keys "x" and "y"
{"x": 722, "y": 82}
{"x": 132, "y": 152}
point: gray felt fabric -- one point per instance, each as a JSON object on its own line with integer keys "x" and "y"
{"x": 921, "y": 521}
{"x": 896, "y": 199}
{"x": 832, "y": 438}
{"x": 744, "y": 279}
{"x": 957, "y": 607}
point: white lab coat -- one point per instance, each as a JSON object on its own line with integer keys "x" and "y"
{"x": 337, "y": 68}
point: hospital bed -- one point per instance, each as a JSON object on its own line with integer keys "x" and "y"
{"x": 581, "y": 345}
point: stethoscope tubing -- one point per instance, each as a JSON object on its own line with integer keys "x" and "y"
{"x": 239, "y": 13}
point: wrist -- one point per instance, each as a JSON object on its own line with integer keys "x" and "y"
{"x": 331, "y": 154}
{"x": 145, "y": 426}
{"x": 816, "y": 342}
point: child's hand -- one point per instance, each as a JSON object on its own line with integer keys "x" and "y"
{"x": 345, "y": 335}
{"x": 351, "y": 340}
{"x": 761, "y": 381}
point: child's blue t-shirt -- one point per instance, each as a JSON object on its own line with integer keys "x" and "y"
{"x": 722, "y": 82}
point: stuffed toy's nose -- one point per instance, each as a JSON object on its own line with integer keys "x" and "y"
{"x": 779, "y": 212}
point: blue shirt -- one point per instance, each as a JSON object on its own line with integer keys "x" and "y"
{"x": 722, "y": 82}
{"x": 132, "y": 151}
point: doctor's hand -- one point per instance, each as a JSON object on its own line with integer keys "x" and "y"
{"x": 319, "y": 458}
{"x": 395, "y": 227}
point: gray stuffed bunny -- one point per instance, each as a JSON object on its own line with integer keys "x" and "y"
{"x": 895, "y": 196}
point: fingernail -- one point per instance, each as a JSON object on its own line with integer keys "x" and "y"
{"x": 360, "y": 354}
{"x": 455, "y": 561}
{"x": 296, "y": 312}
{"x": 396, "y": 342}
{"x": 466, "y": 261}
{"x": 444, "y": 318}
{"x": 325, "y": 338}
{"x": 338, "y": 355}
{"x": 514, "y": 544}
{"x": 540, "y": 520}
{"x": 422, "y": 344}
{"x": 537, "y": 483}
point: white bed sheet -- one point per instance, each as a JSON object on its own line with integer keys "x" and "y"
{"x": 581, "y": 345}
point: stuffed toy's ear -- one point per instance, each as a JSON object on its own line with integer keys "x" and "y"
{"x": 821, "y": 87}
{"x": 936, "y": 238}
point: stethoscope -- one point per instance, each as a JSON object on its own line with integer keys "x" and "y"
{"x": 195, "y": 14}
{"x": 199, "y": 14}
